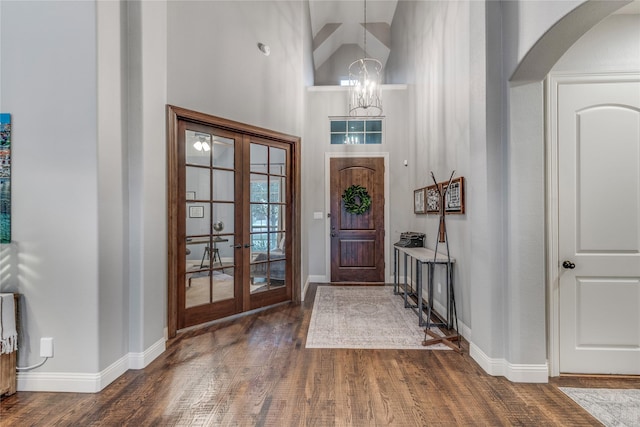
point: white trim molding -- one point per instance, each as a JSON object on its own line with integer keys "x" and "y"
{"x": 517, "y": 373}
{"x": 74, "y": 382}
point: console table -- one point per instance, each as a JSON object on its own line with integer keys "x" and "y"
{"x": 422, "y": 256}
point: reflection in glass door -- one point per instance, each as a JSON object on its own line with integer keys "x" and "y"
{"x": 208, "y": 288}
{"x": 268, "y": 207}
{"x": 210, "y": 207}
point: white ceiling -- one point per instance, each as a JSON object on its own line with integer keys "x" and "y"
{"x": 335, "y": 23}
{"x": 338, "y": 22}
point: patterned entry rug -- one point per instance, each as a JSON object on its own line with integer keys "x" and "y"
{"x": 369, "y": 317}
{"x": 612, "y": 407}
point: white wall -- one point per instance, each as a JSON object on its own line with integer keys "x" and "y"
{"x": 611, "y": 46}
{"x": 501, "y": 242}
{"x": 431, "y": 53}
{"x": 523, "y": 121}
{"x": 48, "y": 61}
{"x": 326, "y": 101}
{"x": 73, "y": 273}
{"x": 215, "y": 67}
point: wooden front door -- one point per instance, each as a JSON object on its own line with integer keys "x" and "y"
{"x": 357, "y": 240}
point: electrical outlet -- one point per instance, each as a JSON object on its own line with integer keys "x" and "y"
{"x": 439, "y": 288}
{"x": 46, "y": 347}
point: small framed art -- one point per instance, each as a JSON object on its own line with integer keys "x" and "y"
{"x": 454, "y": 198}
{"x": 196, "y": 211}
{"x": 433, "y": 199}
{"x": 418, "y": 201}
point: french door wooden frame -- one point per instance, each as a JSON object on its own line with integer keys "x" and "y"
{"x": 176, "y": 210}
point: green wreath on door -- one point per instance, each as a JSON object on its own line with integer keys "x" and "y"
{"x": 356, "y": 200}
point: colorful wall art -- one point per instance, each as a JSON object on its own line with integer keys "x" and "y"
{"x": 5, "y": 178}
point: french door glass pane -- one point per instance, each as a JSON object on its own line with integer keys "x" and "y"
{"x": 198, "y": 219}
{"x": 277, "y": 161}
{"x": 209, "y": 222}
{"x": 197, "y": 148}
{"x": 223, "y": 185}
{"x": 198, "y": 183}
{"x": 223, "y": 152}
{"x": 276, "y": 189}
{"x": 259, "y": 157}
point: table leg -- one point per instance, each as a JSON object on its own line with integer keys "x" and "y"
{"x": 419, "y": 285}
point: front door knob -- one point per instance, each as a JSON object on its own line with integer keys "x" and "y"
{"x": 569, "y": 265}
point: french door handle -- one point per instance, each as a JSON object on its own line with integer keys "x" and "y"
{"x": 236, "y": 246}
{"x": 247, "y": 245}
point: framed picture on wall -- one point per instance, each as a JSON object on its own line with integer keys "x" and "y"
{"x": 454, "y": 199}
{"x": 418, "y": 201}
{"x": 433, "y": 199}
{"x": 196, "y": 211}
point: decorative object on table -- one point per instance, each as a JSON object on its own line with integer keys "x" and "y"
{"x": 419, "y": 206}
{"x": 443, "y": 190}
{"x": 365, "y": 82}
{"x": 433, "y": 199}
{"x": 5, "y": 178}
{"x": 411, "y": 239}
{"x": 218, "y": 226}
{"x": 196, "y": 211}
{"x": 356, "y": 200}
{"x": 454, "y": 200}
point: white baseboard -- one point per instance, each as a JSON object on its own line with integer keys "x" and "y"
{"x": 141, "y": 360}
{"x": 518, "y": 373}
{"x": 318, "y": 279}
{"x": 305, "y": 287}
{"x": 87, "y": 382}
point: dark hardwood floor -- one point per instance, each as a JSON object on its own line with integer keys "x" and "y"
{"x": 256, "y": 370}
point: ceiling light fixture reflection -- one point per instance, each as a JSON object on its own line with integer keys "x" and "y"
{"x": 201, "y": 144}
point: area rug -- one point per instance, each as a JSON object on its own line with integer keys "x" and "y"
{"x": 368, "y": 317}
{"x": 612, "y": 407}
{"x": 197, "y": 289}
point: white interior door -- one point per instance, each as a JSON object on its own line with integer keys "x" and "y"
{"x": 598, "y": 131}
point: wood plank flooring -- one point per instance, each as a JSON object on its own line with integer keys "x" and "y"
{"x": 256, "y": 371}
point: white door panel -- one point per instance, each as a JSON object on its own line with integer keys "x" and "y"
{"x": 598, "y": 131}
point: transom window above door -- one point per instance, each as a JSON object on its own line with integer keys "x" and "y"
{"x": 355, "y": 131}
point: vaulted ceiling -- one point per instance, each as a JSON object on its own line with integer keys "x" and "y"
{"x": 339, "y": 23}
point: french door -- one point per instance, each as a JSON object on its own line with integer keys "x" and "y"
{"x": 232, "y": 218}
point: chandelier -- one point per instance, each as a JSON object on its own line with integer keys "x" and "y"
{"x": 365, "y": 78}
